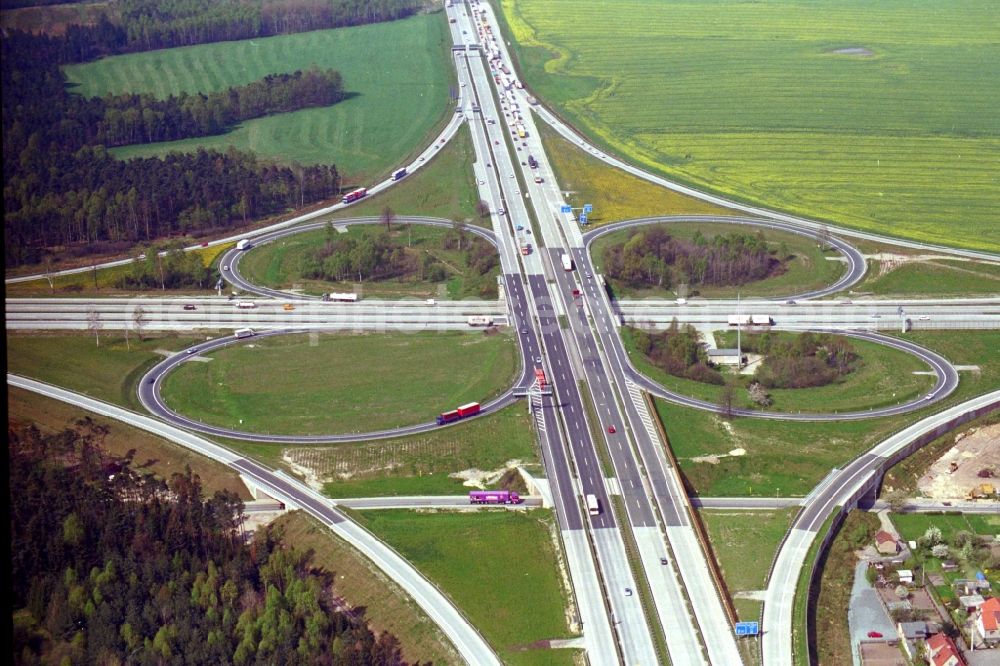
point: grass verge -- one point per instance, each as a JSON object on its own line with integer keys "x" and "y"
{"x": 931, "y": 278}
{"x": 501, "y": 568}
{"x": 152, "y": 454}
{"x": 104, "y": 281}
{"x": 74, "y": 361}
{"x": 804, "y": 606}
{"x": 327, "y": 383}
{"x": 642, "y": 585}
{"x": 615, "y": 194}
{"x": 744, "y": 543}
{"x": 836, "y": 579}
{"x": 422, "y": 464}
{"x": 364, "y": 587}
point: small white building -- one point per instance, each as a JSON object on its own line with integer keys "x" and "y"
{"x": 725, "y": 357}
{"x": 905, "y": 576}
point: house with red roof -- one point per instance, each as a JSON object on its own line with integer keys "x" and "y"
{"x": 988, "y": 622}
{"x": 942, "y": 651}
{"x": 886, "y": 543}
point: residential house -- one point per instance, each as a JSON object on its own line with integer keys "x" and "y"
{"x": 942, "y": 651}
{"x": 886, "y": 543}
{"x": 912, "y": 633}
{"x": 988, "y": 622}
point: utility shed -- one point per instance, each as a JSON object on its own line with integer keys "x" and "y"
{"x": 724, "y": 356}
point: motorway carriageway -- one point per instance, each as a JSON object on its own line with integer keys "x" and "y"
{"x": 214, "y": 314}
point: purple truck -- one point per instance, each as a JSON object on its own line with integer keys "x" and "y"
{"x": 493, "y": 497}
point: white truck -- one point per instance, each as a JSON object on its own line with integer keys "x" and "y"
{"x": 567, "y": 262}
{"x": 246, "y": 305}
{"x": 243, "y": 333}
{"x": 243, "y": 244}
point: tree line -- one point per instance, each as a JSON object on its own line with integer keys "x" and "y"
{"x": 176, "y": 269}
{"x": 381, "y": 256}
{"x": 61, "y": 187}
{"x": 112, "y": 566}
{"x": 653, "y": 258}
{"x": 133, "y": 118}
{"x": 677, "y": 351}
{"x": 144, "y": 25}
{"x": 803, "y": 361}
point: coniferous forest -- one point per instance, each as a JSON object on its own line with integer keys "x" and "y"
{"x": 64, "y": 193}
{"x": 111, "y": 567}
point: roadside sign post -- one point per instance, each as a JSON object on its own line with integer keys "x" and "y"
{"x": 747, "y": 629}
{"x": 588, "y": 208}
{"x": 565, "y": 209}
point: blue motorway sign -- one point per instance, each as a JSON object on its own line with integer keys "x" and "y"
{"x": 565, "y": 209}
{"x": 583, "y": 218}
{"x": 588, "y": 208}
{"x": 747, "y": 628}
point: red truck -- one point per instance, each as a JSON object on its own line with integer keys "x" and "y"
{"x": 359, "y": 193}
{"x": 462, "y": 412}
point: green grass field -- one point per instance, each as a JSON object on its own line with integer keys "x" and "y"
{"x": 884, "y": 377}
{"x": 74, "y": 361}
{"x": 280, "y": 265}
{"x": 499, "y": 567}
{"x": 363, "y": 585}
{"x": 880, "y": 117}
{"x": 420, "y": 464}
{"x": 614, "y": 194}
{"x": 791, "y": 458}
{"x": 398, "y": 72}
{"x": 936, "y": 278}
{"x": 744, "y": 543}
{"x": 912, "y": 526}
{"x": 341, "y": 383}
{"x": 445, "y": 187}
{"x": 808, "y": 268}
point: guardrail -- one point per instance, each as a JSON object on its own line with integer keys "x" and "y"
{"x": 721, "y": 589}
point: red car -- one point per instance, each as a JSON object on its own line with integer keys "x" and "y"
{"x": 611, "y": 429}
{"x": 874, "y": 634}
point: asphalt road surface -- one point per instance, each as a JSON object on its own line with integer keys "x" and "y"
{"x": 469, "y": 643}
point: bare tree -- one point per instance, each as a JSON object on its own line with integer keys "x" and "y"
{"x": 139, "y": 320}
{"x": 48, "y": 271}
{"x": 727, "y": 396}
{"x": 482, "y": 208}
{"x": 94, "y": 324}
{"x": 460, "y": 226}
{"x": 388, "y": 215}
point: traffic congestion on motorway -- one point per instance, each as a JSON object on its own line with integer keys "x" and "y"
{"x": 643, "y": 581}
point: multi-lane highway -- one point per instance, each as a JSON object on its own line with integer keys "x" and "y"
{"x": 214, "y": 314}
{"x": 566, "y": 325}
